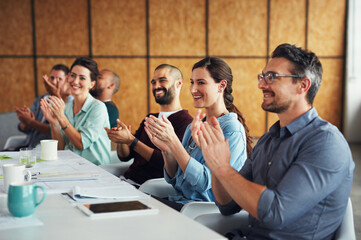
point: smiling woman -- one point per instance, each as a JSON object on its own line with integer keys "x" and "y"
{"x": 184, "y": 165}
{"x": 79, "y": 124}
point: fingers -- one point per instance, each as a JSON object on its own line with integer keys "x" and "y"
{"x": 165, "y": 119}
{"x": 207, "y": 133}
{"x": 107, "y": 130}
{"x": 156, "y": 122}
{"x": 150, "y": 136}
{"x": 121, "y": 124}
{"x": 217, "y": 130}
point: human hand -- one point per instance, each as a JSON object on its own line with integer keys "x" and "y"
{"x": 24, "y": 114}
{"x": 196, "y": 126}
{"x": 120, "y": 134}
{"x": 47, "y": 112}
{"x": 50, "y": 88}
{"x": 57, "y": 107}
{"x": 161, "y": 133}
{"x": 215, "y": 147}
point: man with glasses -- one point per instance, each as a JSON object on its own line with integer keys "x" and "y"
{"x": 297, "y": 181}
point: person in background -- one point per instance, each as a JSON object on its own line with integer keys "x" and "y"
{"x": 297, "y": 182}
{"x": 184, "y": 165}
{"x": 32, "y": 121}
{"x": 107, "y": 85}
{"x": 79, "y": 124}
{"x": 148, "y": 162}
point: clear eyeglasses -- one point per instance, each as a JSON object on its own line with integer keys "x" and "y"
{"x": 269, "y": 77}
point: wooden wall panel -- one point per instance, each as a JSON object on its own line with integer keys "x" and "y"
{"x": 328, "y": 101}
{"x": 17, "y": 83}
{"x": 177, "y": 27}
{"x": 15, "y": 28}
{"x": 237, "y": 27}
{"x": 247, "y": 96}
{"x": 118, "y": 27}
{"x": 44, "y": 66}
{"x": 62, "y": 27}
{"x": 131, "y": 99}
{"x": 326, "y": 27}
{"x": 271, "y": 119}
{"x": 287, "y": 23}
{"x": 185, "y": 66}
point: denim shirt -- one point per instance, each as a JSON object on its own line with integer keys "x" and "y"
{"x": 307, "y": 168}
{"x": 90, "y": 122}
{"x": 195, "y": 183}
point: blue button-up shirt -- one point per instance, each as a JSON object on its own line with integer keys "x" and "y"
{"x": 90, "y": 122}
{"x": 195, "y": 183}
{"x": 307, "y": 168}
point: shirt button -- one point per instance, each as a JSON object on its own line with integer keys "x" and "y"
{"x": 269, "y": 163}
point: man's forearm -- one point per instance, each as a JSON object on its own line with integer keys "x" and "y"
{"x": 123, "y": 150}
{"x": 41, "y": 127}
{"x": 245, "y": 193}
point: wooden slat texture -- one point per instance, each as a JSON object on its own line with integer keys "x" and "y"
{"x": 237, "y": 27}
{"x": 62, "y": 27}
{"x": 17, "y": 83}
{"x": 131, "y": 99}
{"x": 287, "y": 23}
{"x": 118, "y": 27}
{"x": 328, "y": 101}
{"x": 15, "y": 27}
{"x": 326, "y": 27}
{"x": 177, "y": 27}
{"x": 247, "y": 96}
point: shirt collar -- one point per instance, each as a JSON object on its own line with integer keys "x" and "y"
{"x": 87, "y": 103}
{"x": 298, "y": 124}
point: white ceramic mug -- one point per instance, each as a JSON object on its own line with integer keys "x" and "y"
{"x": 49, "y": 149}
{"x": 15, "y": 173}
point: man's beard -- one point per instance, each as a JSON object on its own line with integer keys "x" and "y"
{"x": 167, "y": 97}
{"x": 275, "y": 108}
{"x": 96, "y": 92}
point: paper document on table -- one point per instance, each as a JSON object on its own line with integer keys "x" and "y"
{"x": 120, "y": 192}
{"x": 56, "y": 177}
{"x": 7, "y": 221}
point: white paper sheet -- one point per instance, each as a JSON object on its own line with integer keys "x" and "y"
{"x": 121, "y": 192}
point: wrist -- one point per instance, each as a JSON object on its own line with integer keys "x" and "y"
{"x": 131, "y": 138}
{"x": 133, "y": 143}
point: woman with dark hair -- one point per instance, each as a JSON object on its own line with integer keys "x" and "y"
{"x": 79, "y": 124}
{"x": 184, "y": 165}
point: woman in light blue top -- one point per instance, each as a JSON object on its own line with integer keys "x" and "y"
{"x": 79, "y": 124}
{"x": 184, "y": 166}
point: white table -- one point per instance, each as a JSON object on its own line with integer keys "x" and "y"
{"x": 62, "y": 220}
{"x": 68, "y": 162}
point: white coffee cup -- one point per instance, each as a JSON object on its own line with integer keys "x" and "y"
{"x": 15, "y": 173}
{"x": 49, "y": 149}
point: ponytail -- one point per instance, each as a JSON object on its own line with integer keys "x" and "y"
{"x": 228, "y": 99}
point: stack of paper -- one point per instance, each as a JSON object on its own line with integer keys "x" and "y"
{"x": 55, "y": 177}
{"x": 120, "y": 192}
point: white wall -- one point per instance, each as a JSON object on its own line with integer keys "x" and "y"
{"x": 352, "y": 113}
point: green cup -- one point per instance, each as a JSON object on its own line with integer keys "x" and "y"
{"x": 23, "y": 199}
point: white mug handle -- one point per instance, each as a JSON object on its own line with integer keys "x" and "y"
{"x": 27, "y": 177}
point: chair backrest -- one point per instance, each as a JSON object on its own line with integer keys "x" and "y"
{"x": 346, "y": 231}
{"x": 157, "y": 187}
{"x": 14, "y": 142}
{"x": 223, "y": 224}
{"x": 195, "y": 209}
